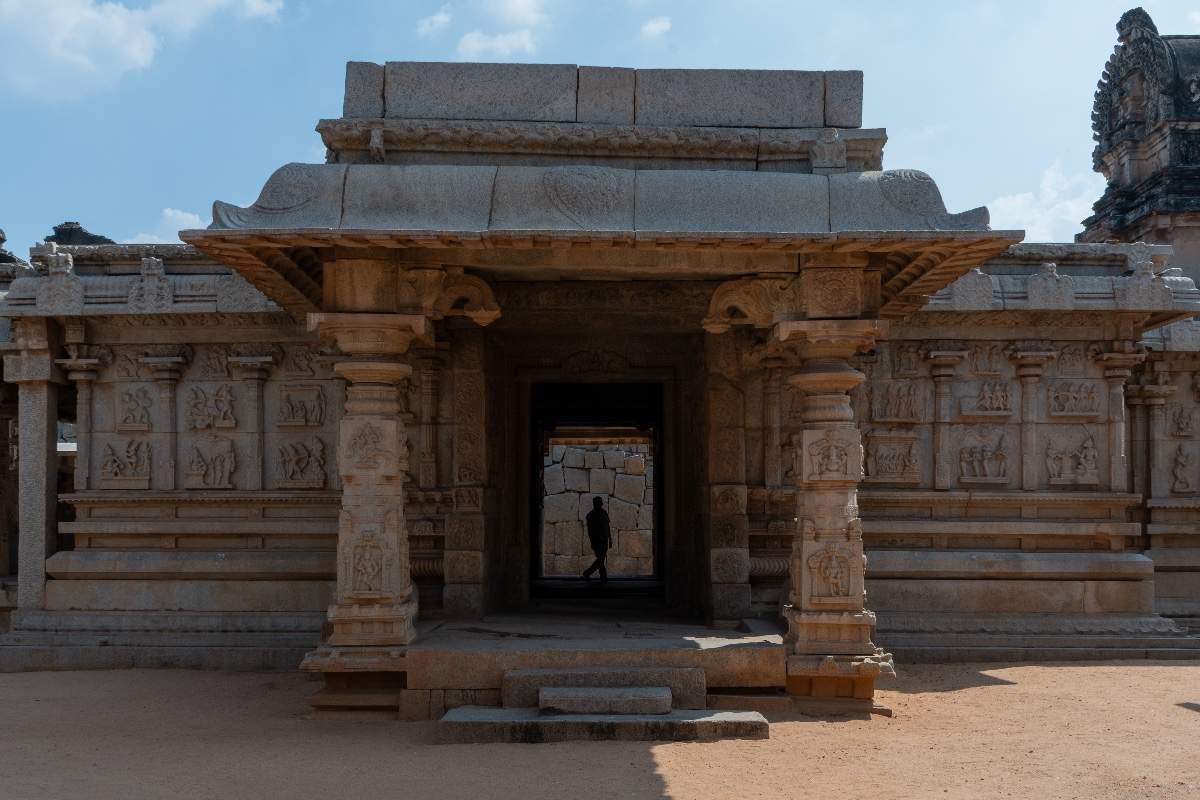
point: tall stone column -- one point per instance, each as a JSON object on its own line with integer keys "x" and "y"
{"x": 376, "y": 600}
{"x": 830, "y": 652}
{"x": 773, "y": 417}
{"x": 427, "y": 469}
{"x": 37, "y": 378}
{"x": 943, "y": 361}
{"x": 1030, "y": 361}
{"x": 1118, "y": 366}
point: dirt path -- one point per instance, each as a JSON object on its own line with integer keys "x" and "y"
{"x": 961, "y": 731}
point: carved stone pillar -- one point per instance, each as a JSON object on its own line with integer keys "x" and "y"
{"x": 773, "y": 417}
{"x": 1030, "y": 360}
{"x": 37, "y": 378}
{"x": 166, "y": 363}
{"x": 830, "y": 652}
{"x": 943, "y": 361}
{"x": 252, "y": 365}
{"x": 1118, "y": 366}
{"x": 376, "y": 601}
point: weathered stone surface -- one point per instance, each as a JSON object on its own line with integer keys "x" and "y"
{"x": 686, "y": 684}
{"x": 553, "y": 479}
{"x": 576, "y": 480}
{"x": 417, "y": 197}
{"x": 364, "y": 90}
{"x": 614, "y": 459}
{"x": 593, "y": 459}
{"x": 601, "y": 481}
{"x": 573, "y": 457}
{"x": 767, "y": 98}
{"x": 716, "y": 200}
{"x": 540, "y": 92}
{"x": 560, "y": 507}
{"x": 473, "y": 724}
{"x": 630, "y": 488}
{"x": 730, "y": 565}
{"x": 623, "y": 515}
{"x": 598, "y": 700}
{"x": 843, "y": 98}
{"x": 635, "y": 465}
{"x": 638, "y": 544}
{"x": 606, "y": 94}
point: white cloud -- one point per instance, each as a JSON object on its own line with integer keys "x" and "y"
{"x": 170, "y": 222}
{"x": 1054, "y": 211}
{"x": 68, "y": 48}
{"x": 428, "y": 26}
{"x": 655, "y": 27}
{"x": 477, "y": 44}
{"x": 520, "y": 13}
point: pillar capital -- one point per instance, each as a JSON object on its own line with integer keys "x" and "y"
{"x": 370, "y": 334}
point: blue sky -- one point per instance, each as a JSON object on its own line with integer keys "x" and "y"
{"x": 132, "y": 117}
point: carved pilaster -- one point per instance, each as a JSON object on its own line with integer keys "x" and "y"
{"x": 166, "y": 363}
{"x": 252, "y": 364}
{"x": 1138, "y": 434}
{"x": 1154, "y": 397}
{"x": 830, "y": 652}
{"x": 83, "y": 367}
{"x": 943, "y": 361}
{"x": 1030, "y": 359}
{"x": 427, "y": 467}
{"x": 1118, "y": 367}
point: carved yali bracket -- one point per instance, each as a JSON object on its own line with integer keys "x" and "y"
{"x": 466, "y": 296}
{"x": 751, "y": 302}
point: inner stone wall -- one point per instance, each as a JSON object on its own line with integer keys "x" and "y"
{"x": 622, "y": 475}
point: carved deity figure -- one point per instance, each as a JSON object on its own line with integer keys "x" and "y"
{"x": 983, "y": 461}
{"x": 832, "y": 568}
{"x": 1181, "y": 471}
{"x": 828, "y": 457}
{"x": 1184, "y": 419}
{"x": 135, "y": 407}
{"x": 368, "y": 563}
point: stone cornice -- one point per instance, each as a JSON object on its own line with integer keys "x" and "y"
{"x": 374, "y": 138}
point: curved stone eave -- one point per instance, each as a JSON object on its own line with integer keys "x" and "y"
{"x": 923, "y": 261}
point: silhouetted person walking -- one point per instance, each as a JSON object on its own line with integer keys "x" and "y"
{"x": 600, "y": 537}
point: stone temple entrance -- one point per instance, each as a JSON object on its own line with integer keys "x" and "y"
{"x": 596, "y": 441}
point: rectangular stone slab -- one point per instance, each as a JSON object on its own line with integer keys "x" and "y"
{"x": 477, "y": 724}
{"x": 687, "y": 684}
{"x": 431, "y": 90}
{"x": 751, "y": 97}
{"x": 596, "y": 700}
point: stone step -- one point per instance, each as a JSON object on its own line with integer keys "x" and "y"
{"x": 596, "y": 700}
{"x": 520, "y": 687}
{"x": 478, "y": 724}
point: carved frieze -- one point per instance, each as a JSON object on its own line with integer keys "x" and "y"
{"x": 1078, "y": 466}
{"x": 1183, "y": 420}
{"x": 134, "y": 408}
{"x": 204, "y": 412}
{"x": 125, "y": 466}
{"x": 988, "y": 399}
{"x": 211, "y": 463}
{"x": 151, "y": 292}
{"x": 298, "y": 361}
{"x": 892, "y": 457}
{"x": 212, "y": 362}
{"x": 906, "y": 360}
{"x": 897, "y": 401}
{"x": 301, "y": 464}
{"x": 984, "y": 460}
{"x": 1071, "y": 361}
{"x": 301, "y": 406}
{"x": 830, "y": 568}
{"x": 1075, "y": 398}
{"x": 987, "y": 360}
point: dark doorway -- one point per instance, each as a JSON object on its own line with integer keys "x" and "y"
{"x": 596, "y": 440}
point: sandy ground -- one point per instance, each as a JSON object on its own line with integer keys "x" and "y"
{"x": 961, "y": 731}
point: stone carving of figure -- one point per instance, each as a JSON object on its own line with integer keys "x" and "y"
{"x": 833, "y": 569}
{"x": 828, "y": 152}
{"x": 1181, "y": 480}
{"x": 110, "y": 465}
{"x": 828, "y": 457}
{"x": 1088, "y": 455}
{"x": 135, "y": 407}
{"x": 368, "y": 563}
{"x": 223, "y": 406}
{"x": 1054, "y": 458}
{"x": 983, "y": 461}
{"x": 222, "y": 464}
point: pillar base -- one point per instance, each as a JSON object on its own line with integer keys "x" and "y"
{"x": 837, "y": 677}
{"x": 371, "y": 625}
{"x": 820, "y": 633}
